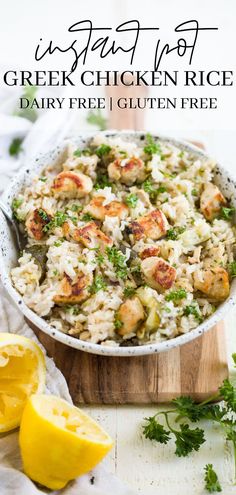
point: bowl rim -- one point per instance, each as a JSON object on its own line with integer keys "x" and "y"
{"x": 73, "y": 342}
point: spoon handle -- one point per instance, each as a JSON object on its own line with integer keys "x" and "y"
{"x": 8, "y": 215}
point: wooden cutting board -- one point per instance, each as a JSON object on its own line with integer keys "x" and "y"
{"x": 195, "y": 369}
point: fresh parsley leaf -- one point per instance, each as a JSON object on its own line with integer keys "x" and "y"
{"x": 211, "y": 479}
{"x": 176, "y": 295}
{"x": 117, "y": 323}
{"x": 193, "y": 309}
{"x": 194, "y": 192}
{"x": 187, "y": 408}
{"x": 43, "y": 179}
{"x": 16, "y": 203}
{"x": 228, "y": 393}
{"x": 129, "y": 291}
{"x": 102, "y": 150}
{"x": 118, "y": 260}
{"x": 151, "y": 190}
{"x": 75, "y": 207}
{"x": 43, "y": 214}
{"x": 86, "y": 217}
{"x": 232, "y": 269}
{"x": 15, "y": 147}
{"x": 57, "y": 221}
{"x": 102, "y": 181}
{"x": 174, "y": 233}
{"x": 96, "y": 118}
{"x": 151, "y": 147}
{"x": 98, "y": 284}
{"x": 155, "y": 431}
{"x": 131, "y": 200}
{"x": 77, "y": 152}
{"x": 187, "y": 440}
{"x": 227, "y": 213}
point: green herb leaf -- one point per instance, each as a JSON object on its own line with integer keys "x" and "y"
{"x": 193, "y": 309}
{"x": 98, "y": 284}
{"x": 228, "y": 393}
{"x": 155, "y": 431}
{"x": 176, "y": 295}
{"x": 58, "y": 220}
{"x": 151, "y": 147}
{"x": 96, "y": 118}
{"x": 102, "y": 150}
{"x": 227, "y": 213}
{"x": 232, "y": 269}
{"x": 86, "y": 217}
{"x": 75, "y": 207}
{"x": 129, "y": 291}
{"x": 77, "y": 152}
{"x": 117, "y": 323}
{"x": 118, "y": 260}
{"x": 15, "y": 147}
{"x": 211, "y": 479}
{"x": 103, "y": 181}
{"x": 131, "y": 200}
{"x": 187, "y": 440}
{"x": 174, "y": 233}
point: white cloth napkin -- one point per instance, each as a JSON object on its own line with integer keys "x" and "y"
{"x": 12, "y": 479}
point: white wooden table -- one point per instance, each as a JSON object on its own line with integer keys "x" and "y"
{"x": 153, "y": 469}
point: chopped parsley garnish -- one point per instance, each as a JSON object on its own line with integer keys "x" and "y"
{"x": 174, "y": 233}
{"x": 76, "y": 207}
{"x": 194, "y": 192}
{"x": 102, "y": 181}
{"x": 117, "y": 323}
{"x": 118, "y": 260}
{"x": 43, "y": 179}
{"x": 16, "y": 203}
{"x": 131, "y": 200}
{"x": 86, "y": 217}
{"x": 58, "y": 220}
{"x": 151, "y": 148}
{"x": 73, "y": 309}
{"x": 58, "y": 243}
{"x": 95, "y": 117}
{"x": 15, "y": 147}
{"x": 42, "y": 213}
{"x": 176, "y": 295}
{"x": 102, "y": 150}
{"x": 232, "y": 269}
{"x": 55, "y": 272}
{"x": 181, "y": 154}
{"x": 129, "y": 291}
{"x": 192, "y": 309}
{"x": 148, "y": 187}
{"x": 211, "y": 479}
{"x": 98, "y": 284}
{"x": 77, "y": 152}
{"x": 227, "y": 213}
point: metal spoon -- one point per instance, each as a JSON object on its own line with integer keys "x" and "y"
{"x": 19, "y": 237}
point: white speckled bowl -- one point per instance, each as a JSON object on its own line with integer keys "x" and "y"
{"x": 8, "y": 253}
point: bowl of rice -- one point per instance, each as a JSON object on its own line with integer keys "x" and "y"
{"x": 129, "y": 243}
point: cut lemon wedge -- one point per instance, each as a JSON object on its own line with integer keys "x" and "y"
{"x": 22, "y": 373}
{"x": 59, "y": 442}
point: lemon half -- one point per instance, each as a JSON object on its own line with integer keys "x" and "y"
{"x": 59, "y": 442}
{"x": 22, "y": 373}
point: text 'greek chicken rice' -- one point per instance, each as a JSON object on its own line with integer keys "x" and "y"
{"x": 127, "y": 243}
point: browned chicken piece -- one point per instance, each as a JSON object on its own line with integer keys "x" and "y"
{"x": 149, "y": 251}
{"x": 158, "y": 273}
{"x": 153, "y": 225}
{"x": 73, "y": 293}
{"x": 91, "y": 236}
{"x": 130, "y": 314}
{"x": 211, "y": 201}
{"x": 214, "y": 283}
{"x": 72, "y": 185}
{"x": 112, "y": 209}
{"x": 36, "y": 222}
{"x": 127, "y": 171}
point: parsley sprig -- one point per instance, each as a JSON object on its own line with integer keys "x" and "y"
{"x": 98, "y": 284}
{"x": 131, "y": 200}
{"x": 152, "y": 147}
{"x": 57, "y": 221}
{"x": 211, "y": 479}
{"x": 186, "y": 410}
{"x": 176, "y": 295}
{"x": 118, "y": 260}
{"x": 174, "y": 233}
{"x": 227, "y": 213}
